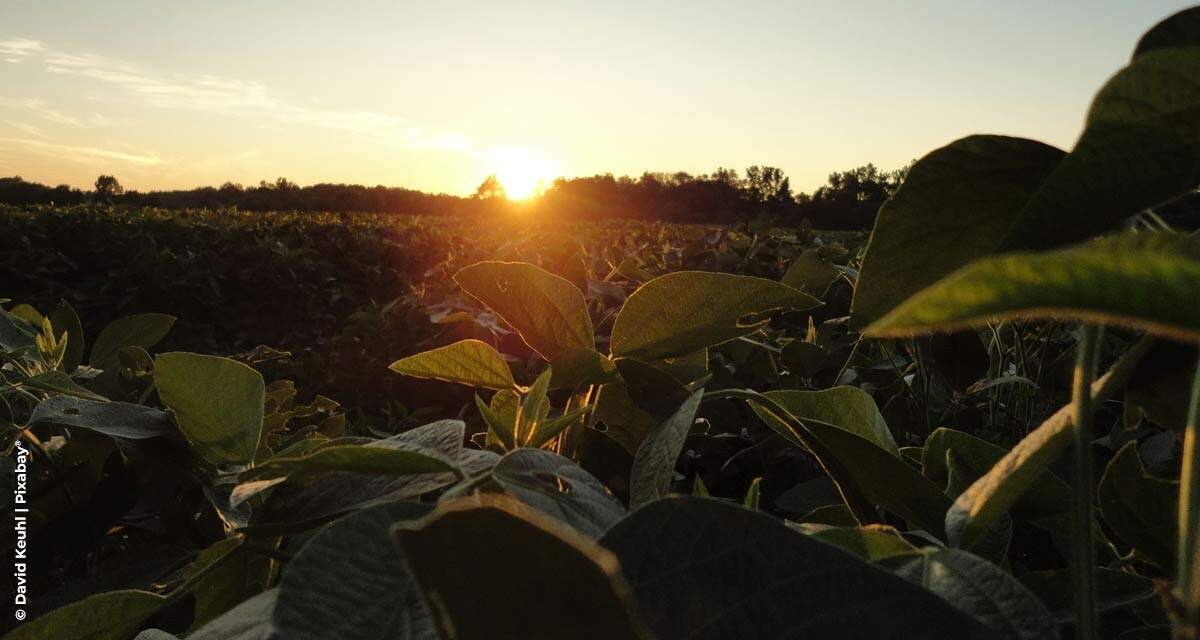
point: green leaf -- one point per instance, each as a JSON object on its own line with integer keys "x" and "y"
{"x": 141, "y": 330}
{"x": 547, "y": 429}
{"x": 478, "y": 557}
{"x": 559, "y": 488}
{"x": 871, "y": 542}
{"x": 218, "y": 403}
{"x": 850, "y": 408}
{"x": 404, "y": 460}
{"x": 626, "y": 423}
{"x": 1048, "y": 496}
{"x": 115, "y": 419}
{"x": 654, "y": 463}
{"x": 994, "y": 493}
{"x": 578, "y": 367}
{"x": 470, "y": 362}
{"x": 535, "y": 407}
{"x": 1179, "y": 30}
{"x": 349, "y": 583}
{"x": 59, "y": 382}
{"x": 501, "y": 425}
{"x": 64, "y": 319}
{"x": 547, "y": 310}
{"x": 15, "y": 333}
{"x": 1134, "y": 280}
{"x": 811, "y": 273}
{"x": 864, "y": 470}
{"x": 675, "y": 315}
{"x": 114, "y": 615}
{"x": 1139, "y": 148}
{"x": 1141, "y": 509}
{"x": 957, "y": 204}
{"x": 983, "y": 590}
{"x": 320, "y": 495}
{"x": 708, "y": 570}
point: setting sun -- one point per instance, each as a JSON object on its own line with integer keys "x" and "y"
{"x": 522, "y": 172}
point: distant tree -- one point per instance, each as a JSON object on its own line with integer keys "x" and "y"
{"x": 768, "y": 186}
{"x": 851, "y": 198}
{"x": 490, "y": 188}
{"x": 107, "y": 188}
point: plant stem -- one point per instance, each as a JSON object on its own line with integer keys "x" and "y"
{"x": 1187, "y": 573}
{"x": 1084, "y": 565}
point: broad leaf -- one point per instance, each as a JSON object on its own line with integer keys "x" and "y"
{"x": 705, "y": 569}
{"x": 1141, "y": 509}
{"x": 64, "y": 319}
{"x": 850, "y": 408}
{"x": 349, "y": 583}
{"x": 861, "y": 467}
{"x": 59, "y": 382}
{"x": 116, "y": 419}
{"x": 1133, "y": 279}
{"x": 675, "y": 314}
{"x": 322, "y": 495}
{"x": 469, "y": 362}
{"x": 548, "y": 311}
{"x": 477, "y": 557}
{"x": 1049, "y": 496}
{"x": 994, "y": 493}
{"x": 218, "y": 403}
{"x": 1140, "y": 147}
{"x": 114, "y": 615}
{"x": 871, "y": 542}
{"x": 654, "y": 463}
{"x": 142, "y": 330}
{"x": 811, "y": 273}
{"x": 1179, "y": 30}
{"x": 558, "y": 487}
{"x": 403, "y": 460}
{"x": 982, "y": 589}
{"x": 956, "y": 205}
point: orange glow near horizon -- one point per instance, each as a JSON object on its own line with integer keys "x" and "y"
{"x": 523, "y": 173}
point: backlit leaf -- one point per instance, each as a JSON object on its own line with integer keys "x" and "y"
{"x": 218, "y": 403}
{"x": 676, "y": 314}
{"x": 1133, "y": 280}
{"x": 469, "y": 362}
{"x": 547, "y": 310}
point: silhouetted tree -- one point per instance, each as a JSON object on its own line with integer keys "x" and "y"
{"x": 107, "y": 189}
{"x": 490, "y": 188}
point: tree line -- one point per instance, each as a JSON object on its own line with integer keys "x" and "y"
{"x": 848, "y": 200}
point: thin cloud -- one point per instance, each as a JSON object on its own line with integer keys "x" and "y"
{"x": 26, "y": 128}
{"x": 20, "y": 48}
{"x": 42, "y": 109}
{"x": 245, "y": 99}
{"x": 81, "y": 153}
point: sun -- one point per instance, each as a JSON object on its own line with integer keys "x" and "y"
{"x": 523, "y": 173}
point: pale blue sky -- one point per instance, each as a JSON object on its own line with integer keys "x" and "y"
{"x": 435, "y": 95}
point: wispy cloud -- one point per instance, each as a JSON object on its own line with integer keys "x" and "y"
{"x": 239, "y": 98}
{"x": 16, "y": 48}
{"x": 26, "y": 128}
{"x": 42, "y": 109}
{"x": 82, "y": 153}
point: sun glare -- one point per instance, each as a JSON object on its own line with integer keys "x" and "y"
{"x": 522, "y": 172}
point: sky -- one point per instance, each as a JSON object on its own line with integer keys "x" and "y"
{"x": 437, "y": 95}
